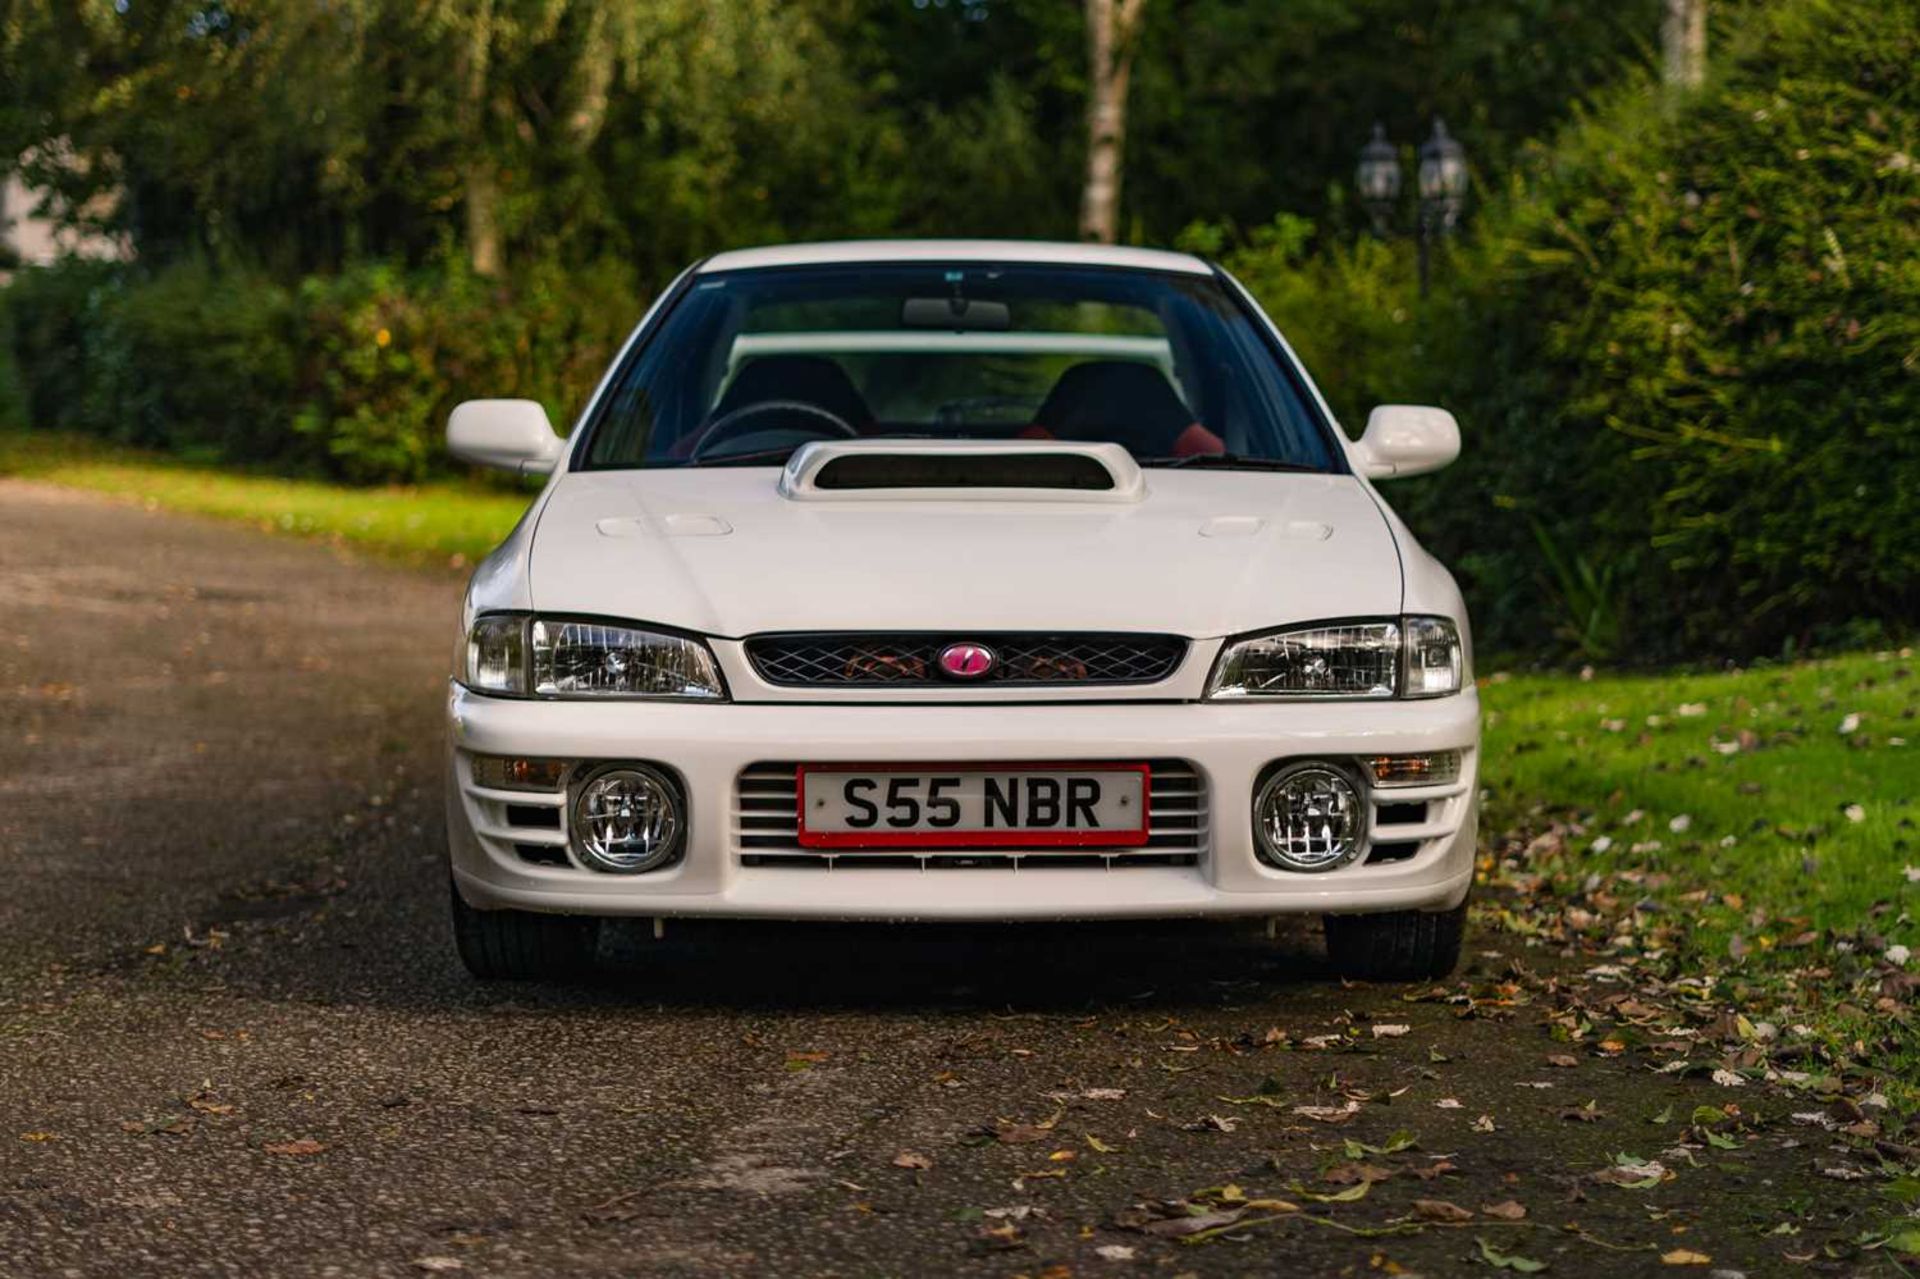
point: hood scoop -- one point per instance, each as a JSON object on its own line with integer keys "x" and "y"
{"x": 961, "y": 471}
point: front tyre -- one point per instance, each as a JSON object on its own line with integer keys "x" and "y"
{"x": 1401, "y": 945}
{"x": 519, "y": 945}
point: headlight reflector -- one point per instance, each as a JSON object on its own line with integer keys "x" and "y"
{"x": 1389, "y": 657}
{"x": 1310, "y": 817}
{"x": 496, "y": 655}
{"x": 626, "y": 819}
{"x": 1435, "y": 662}
{"x": 592, "y": 659}
{"x": 518, "y": 656}
{"x": 1361, "y": 659}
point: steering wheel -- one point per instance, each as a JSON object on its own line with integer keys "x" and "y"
{"x": 729, "y": 425}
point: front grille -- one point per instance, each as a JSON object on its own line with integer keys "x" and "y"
{"x": 767, "y": 830}
{"x": 909, "y": 660}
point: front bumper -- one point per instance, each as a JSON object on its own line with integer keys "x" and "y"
{"x": 710, "y": 746}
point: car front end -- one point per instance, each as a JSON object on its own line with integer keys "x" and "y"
{"x": 1017, "y": 677}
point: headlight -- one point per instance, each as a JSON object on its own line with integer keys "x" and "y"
{"x": 569, "y": 658}
{"x": 497, "y": 655}
{"x": 1395, "y": 657}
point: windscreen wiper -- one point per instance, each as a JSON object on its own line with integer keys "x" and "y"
{"x": 749, "y": 458}
{"x": 1229, "y": 462}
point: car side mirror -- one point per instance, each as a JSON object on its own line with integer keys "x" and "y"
{"x": 513, "y": 435}
{"x": 1407, "y": 439}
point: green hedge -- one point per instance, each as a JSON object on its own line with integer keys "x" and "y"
{"x": 1685, "y": 350}
{"x": 349, "y": 376}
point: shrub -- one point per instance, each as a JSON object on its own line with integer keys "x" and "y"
{"x": 350, "y": 376}
{"x": 1685, "y": 351}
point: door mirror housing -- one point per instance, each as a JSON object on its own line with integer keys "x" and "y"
{"x": 513, "y": 435}
{"x": 1406, "y": 439}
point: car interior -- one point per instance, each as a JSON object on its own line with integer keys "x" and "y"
{"x": 812, "y": 396}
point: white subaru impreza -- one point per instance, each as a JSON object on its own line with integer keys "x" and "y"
{"x": 959, "y": 580}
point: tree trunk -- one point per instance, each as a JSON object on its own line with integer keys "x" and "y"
{"x": 1683, "y": 43}
{"x": 1111, "y": 28}
{"x": 480, "y": 184}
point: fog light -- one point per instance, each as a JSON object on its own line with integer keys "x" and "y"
{"x": 1310, "y": 817}
{"x": 627, "y": 819}
{"x": 499, "y": 772}
{"x": 1435, "y": 769}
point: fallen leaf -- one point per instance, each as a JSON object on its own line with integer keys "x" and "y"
{"x": 1175, "y": 1227}
{"x": 38, "y": 1136}
{"x": 1390, "y": 1030}
{"x": 1114, "y": 1252}
{"x": 1633, "y": 1174}
{"x": 1483, "y": 1124}
{"x": 1101, "y": 1146}
{"x": 1509, "y": 1260}
{"x": 438, "y": 1265}
{"x": 1440, "y": 1210}
{"x": 1565, "y": 1061}
{"x": 1328, "y": 1114}
{"x": 1349, "y": 1174}
{"x": 1399, "y": 1141}
{"x": 1012, "y": 1134}
{"x": 1438, "y": 1168}
{"x": 1448, "y": 1103}
{"x": 300, "y": 1146}
{"x": 1351, "y": 1194}
{"x": 912, "y": 1159}
{"x": 1104, "y": 1094}
{"x": 1685, "y": 1257}
{"x": 1506, "y": 1210}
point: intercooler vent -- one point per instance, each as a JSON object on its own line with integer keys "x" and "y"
{"x": 1072, "y": 471}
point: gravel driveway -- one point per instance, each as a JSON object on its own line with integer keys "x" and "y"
{"x": 234, "y": 1040}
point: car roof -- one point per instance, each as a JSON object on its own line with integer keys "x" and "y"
{"x": 881, "y": 251}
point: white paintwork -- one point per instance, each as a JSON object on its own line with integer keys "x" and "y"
{"x": 1061, "y": 253}
{"x": 804, "y": 467}
{"x": 1407, "y": 439}
{"x": 513, "y": 435}
{"x": 938, "y": 560}
{"x": 727, "y": 553}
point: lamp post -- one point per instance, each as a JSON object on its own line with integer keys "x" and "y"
{"x": 1442, "y": 178}
{"x": 1377, "y": 178}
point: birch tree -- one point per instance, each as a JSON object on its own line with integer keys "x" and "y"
{"x": 1683, "y": 43}
{"x": 1113, "y": 27}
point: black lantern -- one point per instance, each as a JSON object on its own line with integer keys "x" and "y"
{"x": 1443, "y": 181}
{"x": 1377, "y": 177}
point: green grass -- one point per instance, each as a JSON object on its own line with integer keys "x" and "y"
{"x": 1787, "y": 880}
{"x": 1784, "y": 804}
{"x": 448, "y": 522}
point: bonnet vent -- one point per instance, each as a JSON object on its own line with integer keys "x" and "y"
{"x": 962, "y": 470}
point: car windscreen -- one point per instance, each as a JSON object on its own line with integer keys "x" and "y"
{"x": 748, "y": 365}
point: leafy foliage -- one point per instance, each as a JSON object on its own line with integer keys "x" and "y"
{"x": 1683, "y": 348}
{"x": 1706, "y": 329}
{"x": 350, "y": 375}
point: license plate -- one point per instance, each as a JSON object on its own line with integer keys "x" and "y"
{"x": 992, "y": 806}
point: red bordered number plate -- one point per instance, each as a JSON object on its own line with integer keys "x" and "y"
{"x": 973, "y": 805}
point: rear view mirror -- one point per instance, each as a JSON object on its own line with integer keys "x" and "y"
{"x": 1407, "y": 439}
{"x": 956, "y": 314}
{"x": 513, "y": 435}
